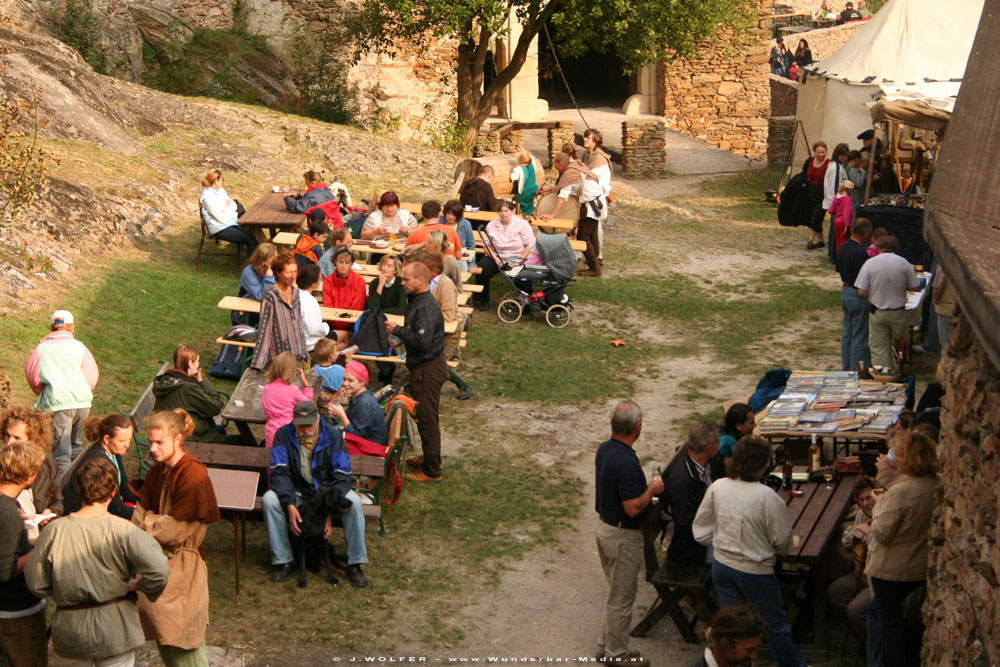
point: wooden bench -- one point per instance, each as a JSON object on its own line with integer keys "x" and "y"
{"x": 673, "y": 581}
{"x": 561, "y": 224}
{"x": 244, "y": 305}
{"x": 142, "y": 409}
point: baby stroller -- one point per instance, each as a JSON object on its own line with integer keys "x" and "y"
{"x": 540, "y": 289}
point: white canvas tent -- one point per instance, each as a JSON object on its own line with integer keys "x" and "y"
{"x": 915, "y": 45}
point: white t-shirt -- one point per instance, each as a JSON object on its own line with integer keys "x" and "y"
{"x": 313, "y": 325}
{"x": 218, "y": 209}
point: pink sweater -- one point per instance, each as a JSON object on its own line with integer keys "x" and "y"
{"x": 279, "y": 400}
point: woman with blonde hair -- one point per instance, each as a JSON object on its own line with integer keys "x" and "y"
{"x": 174, "y": 504}
{"x": 221, "y": 213}
{"x": 111, "y": 437}
{"x": 438, "y": 244}
{"x": 526, "y": 185}
{"x": 897, "y": 561}
{"x": 257, "y": 275}
{"x": 316, "y": 193}
{"x": 280, "y": 394}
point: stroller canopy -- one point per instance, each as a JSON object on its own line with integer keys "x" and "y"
{"x": 557, "y": 254}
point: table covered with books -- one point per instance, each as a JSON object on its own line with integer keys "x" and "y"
{"x": 833, "y": 404}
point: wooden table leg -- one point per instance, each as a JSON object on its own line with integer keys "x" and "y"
{"x": 259, "y": 234}
{"x": 818, "y": 585}
{"x": 237, "y": 516}
{"x": 249, "y": 439}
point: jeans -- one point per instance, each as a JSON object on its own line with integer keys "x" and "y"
{"x": 762, "y": 591}
{"x": 898, "y": 648}
{"x": 239, "y": 236}
{"x": 276, "y": 521}
{"x": 66, "y": 428}
{"x": 621, "y": 554}
{"x": 854, "y": 338}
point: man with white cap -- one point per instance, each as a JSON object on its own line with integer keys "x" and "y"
{"x": 62, "y": 373}
{"x": 307, "y": 455}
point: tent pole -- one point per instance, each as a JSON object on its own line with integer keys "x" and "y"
{"x": 871, "y": 165}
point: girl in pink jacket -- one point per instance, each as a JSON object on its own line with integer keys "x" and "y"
{"x": 281, "y": 393}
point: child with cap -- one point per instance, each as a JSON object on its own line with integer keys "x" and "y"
{"x": 62, "y": 373}
{"x": 363, "y": 416}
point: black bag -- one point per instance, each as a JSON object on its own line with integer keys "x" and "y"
{"x": 228, "y": 365}
{"x": 369, "y": 333}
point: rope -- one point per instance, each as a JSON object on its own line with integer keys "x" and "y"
{"x": 562, "y": 75}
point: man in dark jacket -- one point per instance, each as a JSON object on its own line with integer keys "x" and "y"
{"x": 185, "y": 386}
{"x": 684, "y": 487}
{"x": 478, "y": 192}
{"x": 306, "y": 455}
{"x": 423, "y": 336}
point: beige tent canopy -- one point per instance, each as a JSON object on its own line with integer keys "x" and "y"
{"x": 908, "y": 45}
{"x": 914, "y": 112}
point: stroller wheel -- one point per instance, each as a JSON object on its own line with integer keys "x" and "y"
{"x": 557, "y": 316}
{"x": 509, "y": 310}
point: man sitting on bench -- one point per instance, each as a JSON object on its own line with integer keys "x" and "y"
{"x": 684, "y": 487}
{"x": 306, "y": 455}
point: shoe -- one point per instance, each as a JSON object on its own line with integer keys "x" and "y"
{"x": 820, "y": 244}
{"x": 631, "y": 659}
{"x": 419, "y": 476}
{"x": 811, "y": 246}
{"x": 415, "y": 461}
{"x": 356, "y": 576}
{"x": 595, "y": 273}
{"x": 282, "y": 572}
{"x": 479, "y": 305}
{"x": 464, "y": 393}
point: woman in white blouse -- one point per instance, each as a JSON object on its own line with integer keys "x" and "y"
{"x": 388, "y": 219}
{"x": 220, "y": 212}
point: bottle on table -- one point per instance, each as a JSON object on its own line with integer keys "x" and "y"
{"x": 786, "y": 474}
{"x": 815, "y": 455}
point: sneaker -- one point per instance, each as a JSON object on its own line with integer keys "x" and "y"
{"x": 811, "y": 246}
{"x": 631, "y": 659}
{"x": 464, "y": 393}
{"x": 282, "y": 572}
{"x": 356, "y": 576}
{"x": 415, "y": 461}
{"x": 420, "y": 476}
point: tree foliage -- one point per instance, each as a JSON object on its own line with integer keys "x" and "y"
{"x": 639, "y": 32}
{"x": 23, "y": 165}
{"x": 79, "y": 25}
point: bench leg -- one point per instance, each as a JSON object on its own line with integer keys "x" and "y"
{"x": 236, "y": 548}
{"x": 652, "y": 617}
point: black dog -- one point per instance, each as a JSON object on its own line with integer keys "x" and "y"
{"x": 325, "y": 502}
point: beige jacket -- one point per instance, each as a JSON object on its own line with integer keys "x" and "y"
{"x": 900, "y": 523}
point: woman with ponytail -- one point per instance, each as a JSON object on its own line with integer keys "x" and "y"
{"x": 111, "y": 437}
{"x": 175, "y": 504}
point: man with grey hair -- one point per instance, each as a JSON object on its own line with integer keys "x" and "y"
{"x": 684, "y": 487}
{"x": 624, "y": 504}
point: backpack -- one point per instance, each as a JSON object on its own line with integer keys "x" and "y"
{"x": 228, "y": 365}
{"x": 369, "y": 333}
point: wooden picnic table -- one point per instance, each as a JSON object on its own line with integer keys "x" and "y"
{"x": 236, "y": 491}
{"x": 245, "y": 407}
{"x": 816, "y": 518}
{"x": 270, "y": 213}
{"x": 244, "y": 305}
{"x": 558, "y": 224}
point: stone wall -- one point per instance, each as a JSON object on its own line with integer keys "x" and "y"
{"x": 784, "y": 95}
{"x": 644, "y": 151}
{"x": 963, "y": 602}
{"x": 722, "y": 96}
{"x": 780, "y": 134}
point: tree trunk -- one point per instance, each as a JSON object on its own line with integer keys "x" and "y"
{"x": 473, "y": 104}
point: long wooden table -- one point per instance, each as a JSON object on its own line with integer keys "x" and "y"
{"x": 245, "y": 406}
{"x": 816, "y": 517}
{"x": 558, "y": 224}
{"x": 270, "y": 213}
{"x": 244, "y": 305}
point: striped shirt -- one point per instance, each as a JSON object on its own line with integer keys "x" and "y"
{"x": 280, "y": 329}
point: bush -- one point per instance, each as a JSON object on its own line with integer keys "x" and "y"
{"x": 448, "y": 135}
{"x": 321, "y": 77}
{"x": 79, "y": 25}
